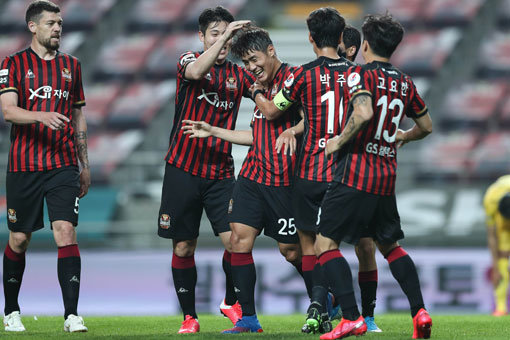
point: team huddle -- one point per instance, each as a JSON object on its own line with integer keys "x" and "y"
{"x": 320, "y": 169}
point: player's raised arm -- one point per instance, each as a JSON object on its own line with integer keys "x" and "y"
{"x": 362, "y": 113}
{"x": 203, "y": 130}
{"x": 198, "y": 69}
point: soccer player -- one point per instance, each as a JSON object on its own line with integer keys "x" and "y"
{"x": 350, "y": 43}
{"x": 262, "y": 195}
{"x": 497, "y": 208}
{"x": 365, "y": 250}
{"x": 199, "y": 173}
{"x": 364, "y": 184}
{"x": 41, "y": 94}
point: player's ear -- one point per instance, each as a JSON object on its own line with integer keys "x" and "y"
{"x": 32, "y": 26}
{"x": 270, "y": 51}
{"x": 365, "y": 46}
{"x": 341, "y": 38}
{"x": 351, "y": 51}
{"x": 201, "y": 36}
{"x": 310, "y": 39}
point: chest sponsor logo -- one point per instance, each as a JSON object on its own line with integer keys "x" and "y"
{"x": 66, "y": 74}
{"x": 214, "y": 99}
{"x": 46, "y": 92}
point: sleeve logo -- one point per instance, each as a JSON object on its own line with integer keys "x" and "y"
{"x": 290, "y": 80}
{"x": 187, "y": 58}
{"x": 353, "y": 79}
{"x": 4, "y": 72}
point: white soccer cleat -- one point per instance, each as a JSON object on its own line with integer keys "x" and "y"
{"x": 74, "y": 324}
{"x": 12, "y": 322}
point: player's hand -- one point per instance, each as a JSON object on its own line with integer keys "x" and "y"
{"x": 84, "y": 182}
{"x": 53, "y": 120}
{"x": 287, "y": 139}
{"x": 255, "y": 86}
{"x": 332, "y": 146}
{"x": 495, "y": 276}
{"x": 400, "y": 138}
{"x": 196, "y": 129}
{"x": 235, "y": 26}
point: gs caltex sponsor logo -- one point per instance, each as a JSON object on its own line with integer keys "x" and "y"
{"x": 164, "y": 221}
{"x": 12, "y": 215}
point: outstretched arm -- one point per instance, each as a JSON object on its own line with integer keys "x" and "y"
{"x": 362, "y": 113}
{"x": 203, "y": 130}
{"x": 421, "y": 129}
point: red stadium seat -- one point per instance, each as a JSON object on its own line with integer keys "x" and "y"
{"x": 84, "y": 14}
{"x": 157, "y": 13}
{"x": 491, "y": 156}
{"x": 495, "y": 55}
{"x": 99, "y": 98}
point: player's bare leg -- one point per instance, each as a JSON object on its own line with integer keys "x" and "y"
{"x": 244, "y": 276}
{"x": 367, "y": 280}
{"x": 229, "y": 307}
{"x": 13, "y": 268}
{"x": 69, "y": 273}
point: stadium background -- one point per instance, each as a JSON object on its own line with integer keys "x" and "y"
{"x": 458, "y": 52}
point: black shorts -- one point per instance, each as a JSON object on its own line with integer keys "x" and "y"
{"x": 264, "y": 207}
{"x": 306, "y": 201}
{"x": 346, "y": 213}
{"x": 26, "y": 192}
{"x": 183, "y": 199}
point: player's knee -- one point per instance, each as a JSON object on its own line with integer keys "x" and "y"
{"x": 65, "y": 234}
{"x": 184, "y": 248}
{"x": 19, "y": 241}
{"x": 291, "y": 253}
{"x": 365, "y": 248}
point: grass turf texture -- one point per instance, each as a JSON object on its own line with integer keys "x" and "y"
{"x": 394, "y": 326}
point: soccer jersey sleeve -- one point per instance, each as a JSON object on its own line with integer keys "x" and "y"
{"x": 416, "y": 107}
{"x": 248, "y": 79}
{"x": 78, "y": 94}
{"x": 291, "y": 91}
{"x": 358, "y": 82}
{"x": 184, "y": 60}
{"x": 8, "y": 78}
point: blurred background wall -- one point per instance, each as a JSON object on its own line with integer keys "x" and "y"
{"x": 457, "y": 51}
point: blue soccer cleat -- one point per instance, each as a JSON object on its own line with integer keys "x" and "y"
{"x": 371, "y": 326}
{"x": 247, "y": 324}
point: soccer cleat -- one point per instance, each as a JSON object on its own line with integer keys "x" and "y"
{"x": 422, "y": 325}
{"x": 74, "y": 323}
{"x": 346, "y": 328}
{"x": 371, "y": 326}
{"x": 326, "y": 326}
{"x": 189, "y": 325}
{"x": 234, "y": 312}
{"x": 247, "y": 324}
{"x": 12, "y": 322}
{"x": 306, "y": 329}
{"x": 313, "y": 318}
{"x": 499, "y": 313}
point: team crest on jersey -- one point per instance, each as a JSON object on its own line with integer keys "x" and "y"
{"x": 29, "y": 74}
{"x": 231, "y": 84}
{"x": 353, "y": 79}
{"x": 66, "y": 74}
{"x": 230, "y": 205}
{"x": 290, "y": 80}
{"x": 11, "y": 213}
{"x": 164, "y": 221}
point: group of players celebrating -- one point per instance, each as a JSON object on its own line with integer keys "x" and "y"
{"x": 321, "y": 167}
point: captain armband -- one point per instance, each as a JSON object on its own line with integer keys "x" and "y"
{"x": 281, "y": 102}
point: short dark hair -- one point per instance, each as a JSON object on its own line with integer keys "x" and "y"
{"x": 325, "y": 25}
{"x": 215, "y": 14}
{"x": 36, "y": 8}
{"x": 383, "y": 33}
{"x": 352, "y": 37}
{"x": 252, "y": 38}
{"x": 504, "y": 205}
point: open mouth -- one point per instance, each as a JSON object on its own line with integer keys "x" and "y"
{"x": 259, "y": 73}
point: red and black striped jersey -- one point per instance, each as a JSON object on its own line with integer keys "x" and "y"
{"x": 321, "y": 88}
{"x": 263, "y": 164}
{"x": 42, "y": 85}
{"x": 369, "y": 162}
{"x": 214, "y": 99}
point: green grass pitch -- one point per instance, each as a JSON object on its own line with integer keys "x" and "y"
{"x": 394, "y": 326}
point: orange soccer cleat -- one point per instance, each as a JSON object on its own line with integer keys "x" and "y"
{"x": 422, "y": 325}
{"x": 189, "y": 325}
{"x": 346, "y": 328}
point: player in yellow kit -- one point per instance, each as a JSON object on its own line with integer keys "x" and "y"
{"x": 497, "y": 207}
